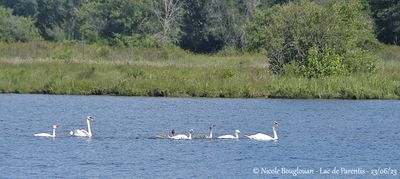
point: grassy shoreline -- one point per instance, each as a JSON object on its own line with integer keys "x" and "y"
{"x": 67, "y": 69}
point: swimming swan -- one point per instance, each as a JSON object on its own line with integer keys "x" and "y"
{"x": 210, "y": 136}
{"x": 264, "y": 137}
{"x": 182, "y": 136}
{"x": 81, "y": 132}
{"x": 237, "y": 132}
{"x": 47, "y": 134}
{"x": 164, "y": 136}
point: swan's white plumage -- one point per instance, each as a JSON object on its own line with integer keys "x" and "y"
{"x": 237, "y": 132}
{"x": 182, "y": 136}
{"x": 81, "y": 132}
{"x": 43, "y": 135}
{"x": 47, "y": 134}
{"x": 227, "y": 137}
{"x": 265, "y": 137}
{"x": 260, "y": 136}
{"x": 179, "y": 137}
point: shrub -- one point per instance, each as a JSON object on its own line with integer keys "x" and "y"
{"x": 321, "y": 39}
{"x": 103, "y": 51}
{"x": 324, "y": 63}
{"x": 62, "y": 54}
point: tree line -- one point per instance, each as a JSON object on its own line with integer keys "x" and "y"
{"x": 197, "y": 25}
{"x": 327, "y": 36}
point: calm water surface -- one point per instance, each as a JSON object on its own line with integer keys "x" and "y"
{"x": 313, "y": 134}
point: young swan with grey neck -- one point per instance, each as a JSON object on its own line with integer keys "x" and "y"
{"x": 210, "y": 136}
{"x": 182, "y": 136}
{"x": 237, "y": 132}
{"x": 166, "y": 136}
{"x": 47, "y": 134}
{"x": 264, "y": 137}
{"x": 81, "y": 132}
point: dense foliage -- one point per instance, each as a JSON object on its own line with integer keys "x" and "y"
{"x": 14, "y": 28}
{"x": 317, "y": 39}
{"x": 313, "y": 38}
{"x": 387, "y": 18}
{"x": 199, "y": 26}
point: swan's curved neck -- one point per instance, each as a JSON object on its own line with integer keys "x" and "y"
{"x": 190, "y": 136}
{"x": 275, "y": 135}
{"x": 54, "y": 132}
{"x": 211, "y": 132}
{"x": 237, "y": 135}
{"x": 88, "y": 127}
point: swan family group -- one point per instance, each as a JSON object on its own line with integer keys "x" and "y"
{"x": 88, "y": 133}
{"x": 76, "y": 132}
{"x": 258, "y": 136}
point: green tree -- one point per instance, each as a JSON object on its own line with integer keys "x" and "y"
{"x": 15, "y": 28}
{"x": 51, "y": 14}
{"x": 257, "y": 31}
{"x": 167, "y": 16}
{"x": 387, "y": 19}
{"x": 194, "y": 36}
{"x": 55, "y": 19}
{"x": 26, "y": 8}
{"x": 209, "y": 26}
{"x": 91, "y": 21}
{"x": 227, "y": 19}
{"x": 122, "y": 22}
{"x": 336, "y": 34}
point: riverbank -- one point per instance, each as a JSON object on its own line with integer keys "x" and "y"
{"x": 94, "y": 70}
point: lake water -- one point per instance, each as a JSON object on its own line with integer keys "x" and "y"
{"x": 314, "y": 135}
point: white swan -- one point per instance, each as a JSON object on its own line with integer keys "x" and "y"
{"x": 210, "y": 136}
{"x": 237, "y": 132}
{"x": 264, "y": 137}
{"x": 47, "y": 134}
{"x": 182, "y": 136}
{"x": 81, "y": 132}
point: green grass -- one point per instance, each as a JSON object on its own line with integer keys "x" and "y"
{"x": 68, "y": 68}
